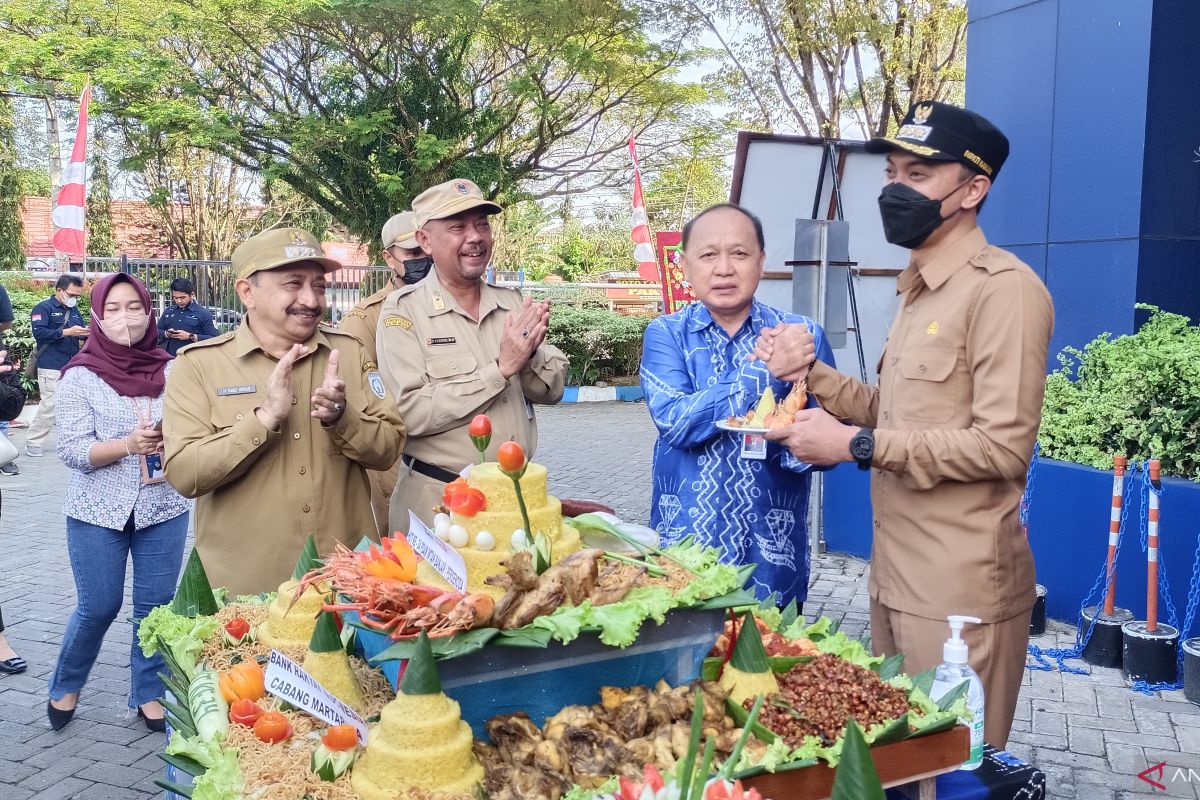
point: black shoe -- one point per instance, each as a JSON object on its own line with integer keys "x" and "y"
{"x": 13, "y": 666}
{"x": 156, "y": 725}
{"x": 10, "y": 469}
{"x": 58, "y": 717}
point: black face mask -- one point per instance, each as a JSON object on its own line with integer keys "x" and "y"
{"x": 415, "y": 269}
{"x": 909, "y": 216}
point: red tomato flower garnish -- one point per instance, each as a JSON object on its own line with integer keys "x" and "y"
{"x": 511, "y": 457}
{"x": 244, "y": 712}
{"x": 340, "y": 737}
{"x": 272, "y": 727}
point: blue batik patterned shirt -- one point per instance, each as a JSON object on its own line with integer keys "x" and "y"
{"x": 695, "y": 375}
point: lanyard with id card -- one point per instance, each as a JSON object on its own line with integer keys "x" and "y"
{"x": 152, "y": 464}
{"x": 754, "y": 446}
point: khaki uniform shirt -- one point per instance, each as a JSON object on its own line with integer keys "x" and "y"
{"x": 442, "y": 367}
{"x": 261, "y": 493}
{"x": 361, "y": 322}
{"x": 956, "y": 414}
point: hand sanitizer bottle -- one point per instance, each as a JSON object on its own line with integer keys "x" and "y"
{"x": 952, "y": 672}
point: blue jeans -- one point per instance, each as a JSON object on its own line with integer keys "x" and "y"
{"x": 98, "y": 557}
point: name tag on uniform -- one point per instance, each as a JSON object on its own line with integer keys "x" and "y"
{"x": 376, "y": 383}
{"x": 226, "y": 391}
{"x": 440, "y": 340}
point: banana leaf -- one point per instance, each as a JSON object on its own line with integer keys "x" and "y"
{"x": 738, "y": 598}
{"x": 184, "y": 764}
{"x": 891, "y": 666}
{"x": 785, "y": 663}
{"x": 788, "y": 767}
{"x": 741, "y": 716}
{"x": 177, "y": 724}
{"x": 421, "y": 675}
{"x": 924, "y": 681}
{"x": 530, "y": 637}
{"x": 325, "y": 638}
{"x": 194, "y": 597}
{"x": 308, "y": 559}
{"x": 749, "y": 655}
{"x": 896, "y": 731}
{"x": 856, "y": 778}
{"x": 459, "y": 644}
{"x": 181, "y": 713}
{"x": 790, "y": 613}
{"x": 177, "y": 687}
{"x": 177, "y": 788}
{"x": 937, "y": 727}
{"x": 952, "y": 696}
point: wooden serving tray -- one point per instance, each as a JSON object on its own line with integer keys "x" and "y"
{"x": 910, "y": 761}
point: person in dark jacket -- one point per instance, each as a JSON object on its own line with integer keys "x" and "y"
{"x": 12, "y": 400}
{"x": 59, "y": 330}
{"x": 184, "y": 321}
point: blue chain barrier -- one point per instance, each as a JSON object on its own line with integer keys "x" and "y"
{"x": 1100, "y": 586}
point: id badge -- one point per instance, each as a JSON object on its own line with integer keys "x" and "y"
{"x": 754, "y": 446}
{"x": 152, "y": 469}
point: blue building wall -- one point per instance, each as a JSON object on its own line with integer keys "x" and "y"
{"x": 1101, "y": 196}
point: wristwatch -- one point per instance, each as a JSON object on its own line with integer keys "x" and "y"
{"x": 862, "y": 447}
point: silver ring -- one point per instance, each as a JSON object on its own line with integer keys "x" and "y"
{"x": 337, "y": 406}
{"x": 525, "y": 333}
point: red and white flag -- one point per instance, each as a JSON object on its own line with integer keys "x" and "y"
{"x": 643, "y": 245}
{"x": 68, "y": 207}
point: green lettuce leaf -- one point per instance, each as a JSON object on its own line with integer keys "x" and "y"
{"x": 577, "y": 792}
{"x": 654, "y": 601}
{"x": 566, "y": 621}
{"x": 221, "y": 781}
{"x": 619, "y": 623}
{"x": 184, "y": 636}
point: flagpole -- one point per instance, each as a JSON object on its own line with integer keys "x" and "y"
{"x": 644, "y": 250}
{"x": 68, "y": 212}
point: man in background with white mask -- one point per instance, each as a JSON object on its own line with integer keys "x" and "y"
{"x": 948, "y": 433}
{"x": 59, "y": 331}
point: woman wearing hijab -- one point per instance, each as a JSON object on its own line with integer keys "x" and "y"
{"x": 109, "y": 434}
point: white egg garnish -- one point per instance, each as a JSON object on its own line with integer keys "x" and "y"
{"x": 485, "y": 541}
{"x": 441, "y": 526}
{"x": 518, "y": 539}
{"x": 458, "y": 536}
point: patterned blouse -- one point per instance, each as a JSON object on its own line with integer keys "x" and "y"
{"x": 694, "y": 375}
{"x": 88, "y": 411}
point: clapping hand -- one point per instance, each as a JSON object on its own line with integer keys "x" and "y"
{"x": 278, "y": 401}
{"x": 524, "y": 332}
{"x": 329, "y": 400}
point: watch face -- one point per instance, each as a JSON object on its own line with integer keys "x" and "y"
{"x": 860, "y": 447}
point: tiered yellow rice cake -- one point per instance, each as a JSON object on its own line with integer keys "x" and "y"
{"x": 420, "y": 742}
{"x": 500, "y": 518}
{"x": 291, "y": 628}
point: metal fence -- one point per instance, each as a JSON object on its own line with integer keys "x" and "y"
{"x": 214, "y": 283}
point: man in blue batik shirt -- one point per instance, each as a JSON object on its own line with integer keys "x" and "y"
{"x": 697, "y": 371}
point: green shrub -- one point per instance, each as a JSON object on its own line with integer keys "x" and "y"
{"x": 1137, "y": 395}
{"x": 25, "y": 292}
{"x": 599, "y": 343}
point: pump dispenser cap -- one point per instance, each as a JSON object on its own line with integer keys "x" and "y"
{"x": 955, "y": 649}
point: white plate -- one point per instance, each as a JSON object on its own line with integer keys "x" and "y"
{"x": 725, "y": 426}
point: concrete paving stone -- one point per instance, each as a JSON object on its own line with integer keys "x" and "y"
{"x": 1050, "y": 724}
{"x": 1073, "y": 709}
{"x": 1086, "y": 740}
{"x": 66, "y": 747}
{"x": 1139, "y": 700}
{"x": 1113, "y": 705}
{"x": 66, "y": 789}
{"x": 100, "y": 791}
{"x": 1142, "y": 739}
{"x": 1079, "y": 693}
{"x": 1023, "y": 710}
{"x": 10, "y": 792}
{"x": 112, "y": 774}
{"x": 15, "y": 773}
{"x": 1021, "y": 726}
{"x": 1188, "y": 738}
{"x": 1095, "y": 791}
{"x": 20, "y": 714}
{"x": 112, "y": 753}
{"x": 1104, "y": 723}
{"x": 1128, "y": 758}
{"x": 1044, "y": 691}
{"x": 1047, "y": 756}
{"x": 1152, "y": 722}
{"x": 49, "y": 774}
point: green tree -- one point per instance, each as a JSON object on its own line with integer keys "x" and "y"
{"x": 32, "y": 182}
{"x": 687, "y": 180}
{"x": 100, "y": 239}
{"x": 12, "y": 234}
{"x": 361, "y": 104}
{"x": 814, "y": 65}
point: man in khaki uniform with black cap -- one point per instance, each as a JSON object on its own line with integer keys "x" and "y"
{"x": 948, "y": 433}
{"x": 453, "y": 346}
{"x": 409, "y": 264}
{"x": 272, "y": 426}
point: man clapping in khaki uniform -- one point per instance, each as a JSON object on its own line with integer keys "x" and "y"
{"x": 453, "y": 346}
{"x": 272, "y": 425}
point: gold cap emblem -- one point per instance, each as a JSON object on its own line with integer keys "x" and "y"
{"x": 921, "y": 113}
